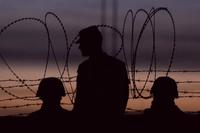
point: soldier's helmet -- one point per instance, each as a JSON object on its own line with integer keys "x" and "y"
{"x": 50, "y": 87}
{"x": 164, "y": 87}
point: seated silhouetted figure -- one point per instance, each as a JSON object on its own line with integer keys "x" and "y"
{"x": 50, "y": 91}
{"x": 163, "y": 108}
{"x": 164, "y": 91}
{"x": 102, "y": 81}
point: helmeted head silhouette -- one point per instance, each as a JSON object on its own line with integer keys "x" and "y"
{"x": 90, "y": 40}
{"x": 164, "y": 88}
{"x": 50, "y": 87}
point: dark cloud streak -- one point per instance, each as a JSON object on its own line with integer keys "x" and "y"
{"x": 79, "y": 14}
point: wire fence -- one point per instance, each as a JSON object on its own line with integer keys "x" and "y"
{"x": 70, "y": 81}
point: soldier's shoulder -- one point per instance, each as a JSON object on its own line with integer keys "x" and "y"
{"x": 84, "y": 64}
{"x": 115, "y": 61}
{"x": 35, "y": 114}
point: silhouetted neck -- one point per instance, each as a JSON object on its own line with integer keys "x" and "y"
{"x": 97, "y": 55}
{"x": 50, "y": 108}
{"x": 162, "y": 103}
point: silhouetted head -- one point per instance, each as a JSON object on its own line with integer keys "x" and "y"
{"x": 90, "y": 40}
{"x": 50, "y": 90}
{"x": 164, "y": 88}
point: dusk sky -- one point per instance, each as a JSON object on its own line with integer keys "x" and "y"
{"x": 28, "y": 39}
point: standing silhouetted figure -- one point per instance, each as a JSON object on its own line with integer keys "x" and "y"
{"x": 50, "y": 91}
{"x": 102, "y": 82}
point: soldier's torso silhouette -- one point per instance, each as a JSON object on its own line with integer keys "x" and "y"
{"x": 161, "y": 110}
{"x": 102, "y": 86}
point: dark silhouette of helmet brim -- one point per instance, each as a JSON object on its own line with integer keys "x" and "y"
{"x": 50, "y": 87}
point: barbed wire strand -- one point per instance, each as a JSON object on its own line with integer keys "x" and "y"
{"x": 53, "y": 51}
{"x": 5, "y": 61}
{"x": 133, "y": 53}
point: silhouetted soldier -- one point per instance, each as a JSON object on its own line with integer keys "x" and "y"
{"x": 102, "y": 82}
{"x": 50, "y": 91}
{"x": 51, "y": 115}
{"x": 164, "y": 91}
{"x": 163, "y": 111}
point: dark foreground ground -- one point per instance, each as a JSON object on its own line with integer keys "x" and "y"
{"x": 129, "y": 123}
